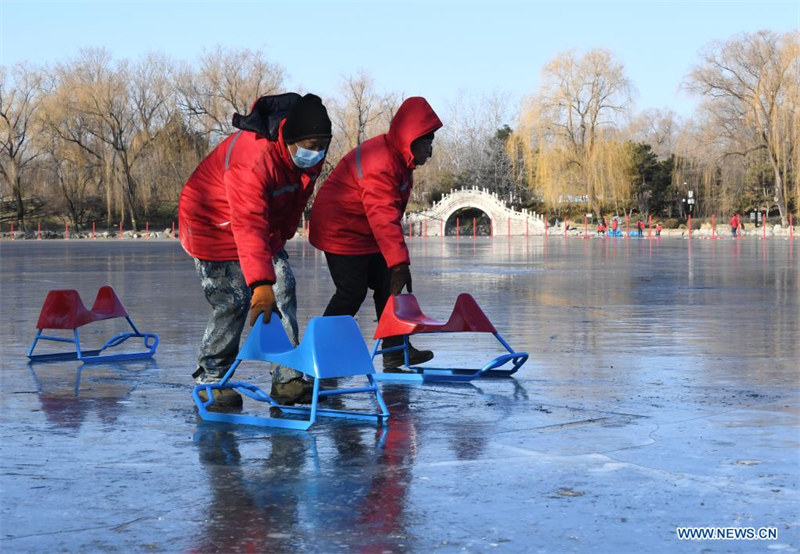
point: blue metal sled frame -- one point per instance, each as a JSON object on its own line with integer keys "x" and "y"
{"x": 96, "y": 356}
{"x": 425, "y": 374}
{"x": 333, "y": 338}
{"x": 311, "y": 413}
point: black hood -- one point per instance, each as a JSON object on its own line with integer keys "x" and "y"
{"x": 266, "y": 114}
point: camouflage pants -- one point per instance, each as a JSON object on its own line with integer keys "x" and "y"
{"x": 225, "y": 289}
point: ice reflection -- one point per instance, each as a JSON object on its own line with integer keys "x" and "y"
{"x": 287, "y": 486}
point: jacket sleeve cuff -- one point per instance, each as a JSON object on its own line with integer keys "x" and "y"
{"x": 257, "y": 284}
{"x": 396, "y": 257}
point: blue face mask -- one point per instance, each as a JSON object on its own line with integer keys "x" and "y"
{"x": 305, "y": 158}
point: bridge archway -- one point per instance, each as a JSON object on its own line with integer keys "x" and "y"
{"x": 469, "y": 220}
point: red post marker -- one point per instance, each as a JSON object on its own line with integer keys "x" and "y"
{"x": 491, "y": 227}
{"x": 458, "y": 227}
{"x": 545, "y": 225}
{"x": 791, "y": 228}
{"x": 441, "y": 227}
{"x": 12, "y": 231}
{"x": 93, "y": 229}
{"x": 147, "y": 229}
{"x": 764, "y": 226}
{"x": 66, "y": 231}
{"x": 627, "y": 228}
{"x": 585, "y": 227}
{"x": 120, "y": 230}
{"x": 173, "y": 228}
{"x": 426, "y": 228}
{"x": 474, "y": 228}
{"x": 690, "y": 226}
{"x": 565, "y": 228}
{"x": 39, "y": 231}
{"x": 650, "y": 224}
{"x": 713, "y": 227}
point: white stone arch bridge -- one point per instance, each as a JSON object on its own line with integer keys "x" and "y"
{"x": 505, "y": 221}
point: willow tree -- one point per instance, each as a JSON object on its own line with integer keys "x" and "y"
{"x": 750, "y": 85}
{"x": 75, "y": 158}
{"x": 125, "y": 106}
{"x": 568, "y": 131}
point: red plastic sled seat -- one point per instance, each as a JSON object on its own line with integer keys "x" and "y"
{"x": 403, "y": 316}
{"x": 64, "y": 309}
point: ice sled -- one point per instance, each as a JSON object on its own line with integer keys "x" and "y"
{"x": 63, "y": 309}
{"x": 403, "y": 316}
{"x": 332, "y": 347}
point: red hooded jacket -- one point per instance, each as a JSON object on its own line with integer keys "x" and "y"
{"x": 358, "y": 210}
{"x": 243, "y": 202}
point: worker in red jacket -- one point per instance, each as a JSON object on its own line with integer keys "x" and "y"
{"x": 356, "y": 217}
{"x": 236, "y": 212}
{"x": 734, "y": 225}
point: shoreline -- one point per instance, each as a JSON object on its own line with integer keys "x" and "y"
{"x": 775, "y": 232}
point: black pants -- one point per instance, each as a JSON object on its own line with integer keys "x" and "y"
{"x": 353, "y": 275}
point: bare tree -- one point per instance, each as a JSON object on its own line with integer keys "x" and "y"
{"x": 226, "y": 82}
{"x": 20, "y": 98}
{"x": 750, "y": 84}
{"x": 470, "y": 149}
{"x": 658, "y": 128}
{"x": 360, "y": 113}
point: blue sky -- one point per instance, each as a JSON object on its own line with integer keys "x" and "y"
{"x": 437, "y": 49}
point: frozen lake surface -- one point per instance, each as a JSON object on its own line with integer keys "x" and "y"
{"x": 661, "y": 392}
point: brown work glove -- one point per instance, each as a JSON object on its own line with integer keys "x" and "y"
{"x": 263, "y": 302}
{"x": 401, "y": 277}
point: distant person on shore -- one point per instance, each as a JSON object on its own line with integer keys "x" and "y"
{"x": 601, "y": 228}
{"x": 658, "y": 229}
{"x": 640, "y": 228}
{"x": 734, "y": 225}
{"x": 614, "y": 227}
{"x": 357, "y": 217}
{"x": 236, "y": 212}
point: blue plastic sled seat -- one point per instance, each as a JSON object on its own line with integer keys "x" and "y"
{"x": 403, "y": 316}
{"x": 332, "y": 347}
{"x": 63, "y": 309}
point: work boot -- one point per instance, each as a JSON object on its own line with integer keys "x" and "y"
{"x": 396, "y": 359}
{"x": 223, "y": 398}
{"x": 294, "y": 391}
